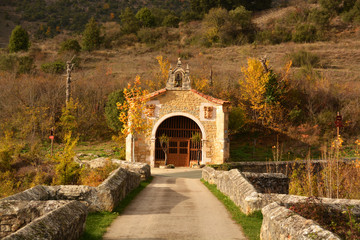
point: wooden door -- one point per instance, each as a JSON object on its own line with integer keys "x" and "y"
{"x": 179, "y": 152}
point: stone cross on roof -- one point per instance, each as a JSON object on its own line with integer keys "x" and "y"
{"x": 178, "y": 78}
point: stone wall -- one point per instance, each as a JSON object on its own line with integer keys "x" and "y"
{"x": 284, "y": 167}
{"x": 31, "y": 205}
{"x": 269, "y": 182}
{"x": 143, "y": 169}
{"x": 281, "y": 223}
{"x": 235, "y": 185}
{"x": 67, "y": 221}
{"x": 278, "y": 222}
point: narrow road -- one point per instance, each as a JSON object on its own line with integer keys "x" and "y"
{"x": 176, "y": 205}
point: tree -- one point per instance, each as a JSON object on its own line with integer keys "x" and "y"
{"x": 164, "y": 143}
{"x": 19, "y": 40}
{"x": 263, "y": 90}
{"x": 91, "y": 39}
{"x": 171, "y": 21}
{"x": 196, "y": 140}
{"x": 70, "y": 45}
{"x": 145, "y": 17}
{"x": 233, "y": 27}
{"x": 132, "y": 112}
{"x": 111, "y": 111}
{"x": 129, "y": 23}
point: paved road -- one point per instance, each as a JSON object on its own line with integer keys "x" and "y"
{"x": 176, "y": 205}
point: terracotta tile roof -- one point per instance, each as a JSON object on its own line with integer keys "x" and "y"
{"x": 210, "y": 98}
{"x": 156, "y": 93}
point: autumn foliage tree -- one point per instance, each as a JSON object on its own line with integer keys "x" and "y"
{"x": 132, "y": 112}
{"x": 262, "y": 91}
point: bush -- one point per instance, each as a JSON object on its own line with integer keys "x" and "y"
{"x": 111, "y": 111}
{"x": 26, "y": 64}
{"x": 304, "y": 58}
{"x": 171, "y": 21}
{"x": 274, "y": 36}
{"x": 320, "y": 18}
{"x": 56, "y": 67}
{"x": 354, "y": 14}
{"x": 70, "y": 45}
{"x": 237, "y": 118}
{"x": 8, "y": 62}
{"x": 129, "y": 23}
{"x": 67, "y": 171}
{"x": 145, "y": 17}
{"x": 19, "y": 40}
{"x": 305, "y": 33}
{"x": 150, "y": 36}
{"x": 91, "y": 39}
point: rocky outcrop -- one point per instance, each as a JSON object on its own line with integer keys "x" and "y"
{"x": 282, "y": 224}
{"x": 42, "y": 219}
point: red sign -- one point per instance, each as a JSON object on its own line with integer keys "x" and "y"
{"x": 51, "y": 137}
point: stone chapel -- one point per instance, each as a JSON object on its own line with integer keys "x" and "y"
{"x": 179, "y": 112}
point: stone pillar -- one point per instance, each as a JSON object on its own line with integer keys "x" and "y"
{"x": 152, "y": 151}
{"x": 129, "y": 147}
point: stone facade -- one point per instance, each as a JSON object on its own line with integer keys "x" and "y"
{"x": 210, "y": 114}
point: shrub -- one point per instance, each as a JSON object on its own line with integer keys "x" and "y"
{"x": 56, "y": 67}
{"x": 305, "y": 33}
{"x": 274, "y": 36}
{"x": 19, "y": 40}
{"x": 91, "y": 39}
{"x": 70, "y": 45}
{"x": 353, "y": 15}
{"x": 320, "y": 18}
{"x": 304, "y": 58}
{"x": 145, "y": 17}
{"x": 150, "y": 36}
{"x": 67, "y": 171}
{"x": 237, "y": 120}
{"x": 8, "y": 62}
{"x": 171, "y": 21}
{"x": 26, "y": 64}
{"x": 111, "y": 111}
{"x": 94, "y": 177}
{"x": 129, "y": 23}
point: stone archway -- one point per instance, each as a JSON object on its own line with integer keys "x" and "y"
{"x": 182, "y": 152}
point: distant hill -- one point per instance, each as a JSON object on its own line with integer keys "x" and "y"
{"x": 50, "y": 16}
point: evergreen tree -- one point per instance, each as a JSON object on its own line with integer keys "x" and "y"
{"x": 129, "y": 23}
{"x": 91, "y": 36}
{"x": 111, "y": 111}
{"x": 146, "y": 18}
{"x": 19, "y": 40}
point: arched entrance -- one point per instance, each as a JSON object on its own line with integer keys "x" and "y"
{"x": 182, "y": 151}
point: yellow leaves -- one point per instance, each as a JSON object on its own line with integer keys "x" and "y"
{"x": 161, "y": 75}
{"x": 253, "y": 86}
{"x": 133, "y": 108}
{"x": 337, "y": 143}
{"x": 201, "y": 84}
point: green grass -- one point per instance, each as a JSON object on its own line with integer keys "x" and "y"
{"x": 251, "y": 224}
{"x": 97, "y": 222}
